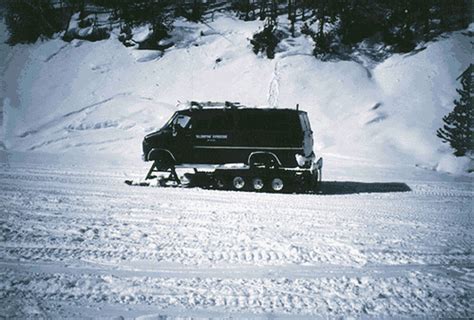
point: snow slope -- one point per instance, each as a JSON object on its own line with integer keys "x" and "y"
{"x": 4, "y": 53}
{"x": 83, "y": 97}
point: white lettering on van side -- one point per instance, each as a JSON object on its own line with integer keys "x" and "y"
{"x": 211, "y": 136}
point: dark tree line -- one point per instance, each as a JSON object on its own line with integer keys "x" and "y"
{"x": 399, "y": 24}
{"x": 28, "y": 20}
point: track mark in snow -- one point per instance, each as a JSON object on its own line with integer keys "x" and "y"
{"x": 56, "y": 53}
{"x": 93, "y": 126}
{"x": 351, "y": 296}
{"x": 45, "y": 143}
{"x": 378, "y": 118}
{"x": 274, "y": 89}
{"x": 58, "y": 120}
{"x": 171, "y": 270}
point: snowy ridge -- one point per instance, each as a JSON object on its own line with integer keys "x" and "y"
{"x": 103, "y": 97}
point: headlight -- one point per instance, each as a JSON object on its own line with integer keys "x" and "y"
{"x": 301, "y": 160}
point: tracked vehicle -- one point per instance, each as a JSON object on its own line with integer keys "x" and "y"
{"x": 260, "y": 149}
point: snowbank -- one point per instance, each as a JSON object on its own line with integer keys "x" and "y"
{"x": 455, "y": 165}
{"x": 103, "y": 97}
{"x": 4, "y": 52}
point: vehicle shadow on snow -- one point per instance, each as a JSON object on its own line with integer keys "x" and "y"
{"x": 323, "y": 188}
{"x": 350, "y": 187}
{"x": 342, "y": 188}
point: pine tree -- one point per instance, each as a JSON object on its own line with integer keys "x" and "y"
{"x": 266, "y": 40}
{"x": 27, "y": 20}
{"x": 458, "y": 129}
{"x": 154, "y": 12}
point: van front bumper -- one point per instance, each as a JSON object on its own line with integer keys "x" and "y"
{"x": 305, "y": 162}
{"x": 317, "y": 167}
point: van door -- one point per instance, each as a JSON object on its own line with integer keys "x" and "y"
{"x": 182, "y": 138}
{"x": 213, "y": 137}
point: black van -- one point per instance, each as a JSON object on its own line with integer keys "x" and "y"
{"x": 215, "y": 134}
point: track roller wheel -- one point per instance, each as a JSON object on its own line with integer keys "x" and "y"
{"x": 257, "y": 184}
{"x": 277, "y": 184}
{"x": 238, "y": 183}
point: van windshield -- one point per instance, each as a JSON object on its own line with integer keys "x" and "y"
{"x": 169, "y": 122}
{"x": 182, "y": 121}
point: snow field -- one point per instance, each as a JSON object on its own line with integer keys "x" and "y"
{"x": 77, "y": 241}
{"x": 351, "y": 296}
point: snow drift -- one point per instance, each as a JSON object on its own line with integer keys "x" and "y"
{"x": 83, "y": 97}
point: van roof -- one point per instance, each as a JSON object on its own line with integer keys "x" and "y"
{"x": 240, "y": 108}
{"x": 226, "y": 105}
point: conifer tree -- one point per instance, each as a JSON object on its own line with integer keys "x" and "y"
{"x": 458, "y": 129}
{"x": 27, "y": 20}
{"x": 266, "y": 40}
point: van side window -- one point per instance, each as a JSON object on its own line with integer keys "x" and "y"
{"x": 182, "y": 121}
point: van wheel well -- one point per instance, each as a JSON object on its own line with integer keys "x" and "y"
{"x": 263, "y": 159}
{"x": 163, "y": 158}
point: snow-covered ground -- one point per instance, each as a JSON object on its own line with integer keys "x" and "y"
{"x": 77, "y": 242}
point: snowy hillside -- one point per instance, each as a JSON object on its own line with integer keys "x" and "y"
{"x": 102, "y": 97}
